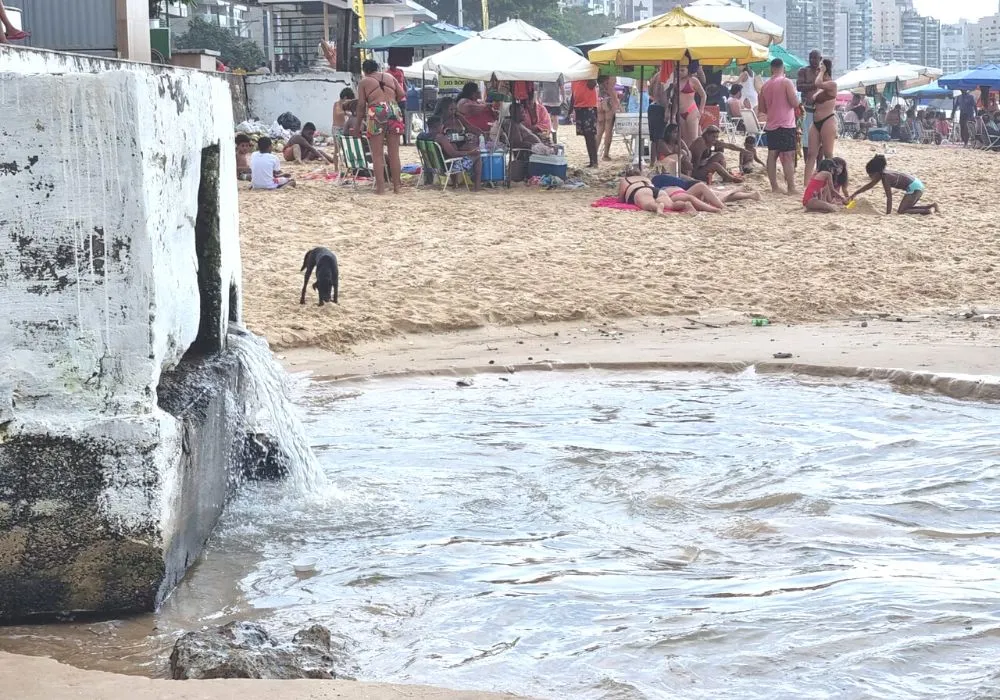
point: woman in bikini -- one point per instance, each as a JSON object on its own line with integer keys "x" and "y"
{"x": 690, "y": 116}
{"x": 378, "y": 111}
{"x": 911, "y": 186}
{"x": 637, "y": 190}
{"x": 823, "y": 132}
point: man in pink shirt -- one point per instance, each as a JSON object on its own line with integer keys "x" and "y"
{"x": 778, "y": 100}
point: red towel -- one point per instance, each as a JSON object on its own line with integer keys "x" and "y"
{"x": 611, "y": 202}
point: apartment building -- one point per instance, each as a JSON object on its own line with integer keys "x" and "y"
{"x": 811, "y": 24}
{"x": 242, "y": 18}
{"x": 852, "y": 34}
{"x": 957, "y": 51}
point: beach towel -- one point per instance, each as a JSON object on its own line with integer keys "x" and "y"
{"x": 611, "y": 202}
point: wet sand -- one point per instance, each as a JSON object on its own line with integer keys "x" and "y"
{"x": 427, "y": 261}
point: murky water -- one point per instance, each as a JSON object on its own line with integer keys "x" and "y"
{"x": 613, "y": 535}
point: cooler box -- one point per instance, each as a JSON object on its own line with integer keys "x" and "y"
{"x": 547, "y": 165}
{"x": 494, "y": 166}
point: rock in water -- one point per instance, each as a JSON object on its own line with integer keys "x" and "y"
{"x": 246, "y": 650}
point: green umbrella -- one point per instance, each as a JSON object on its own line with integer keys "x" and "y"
{"x": 763, "y": 68}
{"x": 424, "y": 35}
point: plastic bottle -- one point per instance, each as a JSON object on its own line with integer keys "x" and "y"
{"x": 760, "y": 322}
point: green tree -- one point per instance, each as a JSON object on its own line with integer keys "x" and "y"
{"x": 235, "y": 51}
{"x": 156, "y": 7}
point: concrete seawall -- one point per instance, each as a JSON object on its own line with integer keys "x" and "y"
{"x": 119, "y": 271}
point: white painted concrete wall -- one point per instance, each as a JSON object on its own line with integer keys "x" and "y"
{"x": 103, "y": 161}
{"x": 99, "y": 175}
{"x": 309, "y": 96}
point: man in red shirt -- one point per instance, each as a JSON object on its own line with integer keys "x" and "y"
{"x": 584, "y": 103}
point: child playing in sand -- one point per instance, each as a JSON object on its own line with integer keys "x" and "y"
{"x": 749, "y": 155}
{"x": 243, "y": 146}
{"x": 912, "y": 187}
{"x": 266, "y": 168}
{"x": 840, "y": 177}
{"x": 820, "y": 194}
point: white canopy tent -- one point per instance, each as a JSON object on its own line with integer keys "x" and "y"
{"x": 513, "y": 50}
{"x": 877, "y": 73}
{"x": 730, "y": 16}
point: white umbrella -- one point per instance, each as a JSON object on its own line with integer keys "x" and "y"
{"x": 872, "y": 72}
{"x": 731, "y": 17}
{"x": 513, "y": 50}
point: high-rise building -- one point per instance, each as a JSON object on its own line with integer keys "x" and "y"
{"x": 921, "y": 39}
{"x": 811, "y": 24}
{"x": 957, "y": 51}
{"x": 852, "y": 34}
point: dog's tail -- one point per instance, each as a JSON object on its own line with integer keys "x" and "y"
{"x": 305, "y": 261}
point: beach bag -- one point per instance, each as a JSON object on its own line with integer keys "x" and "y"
{"x": 878, "y": 135}
{"x": 290, "y": 121}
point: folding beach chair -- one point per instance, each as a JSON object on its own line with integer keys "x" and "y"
{"x": 730, "y": 127}
{"x": 432, "y": 158}
{"x": 752, "y": 125}
{"x": 353, "y": 159}
{"x": 982, "y": 136}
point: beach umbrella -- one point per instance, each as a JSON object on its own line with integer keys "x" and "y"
{"x": 791, "y": 61}
{"x": 987, "y": 75}
{"x": 674, "y": 37}
{"x": 418, "y": 36}
{"x": 876, "y": 73}
{"x": 932, "y": 90}
{"x": 513, "y": 50}
{"x": 730, "y": 16}
{"x": 677, "y": 36}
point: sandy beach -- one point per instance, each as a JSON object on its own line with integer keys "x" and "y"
{"x": 427, "y": 261}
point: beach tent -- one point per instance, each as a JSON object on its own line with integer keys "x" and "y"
{"x": 876, "y": 73}
{"x": 513, "y": 50}
{"x": 730, "y": 16}
{"x": 932, "y": 90}
{"x": 418, "y": 36}
{"x": 987, "y": 75}
{"x": 674, "y": 37}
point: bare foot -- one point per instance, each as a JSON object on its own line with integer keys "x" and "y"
{"x": 606, "y": 157}
{"x": 293, "y": 183}
{"x": 936, "y": 208}
{"x": 754, "y": 195}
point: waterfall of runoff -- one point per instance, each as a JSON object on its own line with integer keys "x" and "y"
{"x": 272, "y": 412}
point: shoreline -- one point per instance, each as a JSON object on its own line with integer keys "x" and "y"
{"x": 945, "y": 353}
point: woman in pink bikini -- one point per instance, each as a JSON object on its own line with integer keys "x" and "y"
{"x": 7, "y": 30}
{"x": 690, "y": 115}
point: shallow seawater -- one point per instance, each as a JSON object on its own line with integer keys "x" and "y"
{"x": 630, "y": 535}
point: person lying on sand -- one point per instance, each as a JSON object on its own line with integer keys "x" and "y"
{"x": 300, "y": 147}
{"x": 707, "y": 156}
{"x": 820, "y": 195}
{"x": 637, "y": 190}
{"x": 891, "y": 180}
{"x": 701, "y": 196}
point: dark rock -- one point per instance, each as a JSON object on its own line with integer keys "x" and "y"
{"x": 246, "y": 650}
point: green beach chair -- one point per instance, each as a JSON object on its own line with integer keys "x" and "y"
{"x": 354, "y": 160}
{"x": 432, "y": 158}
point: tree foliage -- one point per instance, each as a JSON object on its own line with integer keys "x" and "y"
{"x": 156, "y": 7}
{"x": 569, "y": 26}
{"x": 236, "y": 52}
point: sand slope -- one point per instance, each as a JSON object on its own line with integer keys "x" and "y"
{"x": 427, "y": 261}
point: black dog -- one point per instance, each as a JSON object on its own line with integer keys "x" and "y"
{"x": 327, "y": 274}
